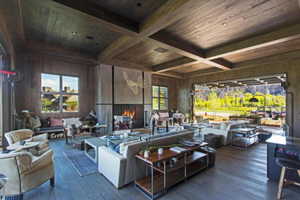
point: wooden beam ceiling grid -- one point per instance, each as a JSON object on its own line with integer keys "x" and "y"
{"x": 172, "y": 11}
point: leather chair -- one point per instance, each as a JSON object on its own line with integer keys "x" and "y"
{"x": 27, "y": 135}
{"x": 25, "y": 171}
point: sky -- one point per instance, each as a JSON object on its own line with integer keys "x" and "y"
{"x": 50, "y": 80}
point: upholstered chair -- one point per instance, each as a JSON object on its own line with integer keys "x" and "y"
{"x": 27, "y": 135}
{"x": 25, "y": 171}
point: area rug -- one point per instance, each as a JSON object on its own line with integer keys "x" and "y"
{"x": 82, "y": 164}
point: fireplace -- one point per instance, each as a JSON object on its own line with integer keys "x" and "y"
{"x": 128, "y": 116}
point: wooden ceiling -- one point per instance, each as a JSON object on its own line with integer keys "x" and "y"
{"x": 49, "y": 22}
{"x": 176, "y": 38}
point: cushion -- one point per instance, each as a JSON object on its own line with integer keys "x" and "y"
{"x": 45, "y": 123}
{"x": 56, "y": 122}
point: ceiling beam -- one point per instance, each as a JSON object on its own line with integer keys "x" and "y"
{"x": 130, "y": 65}
{"x": 173, "y": 64}
{"x": 166, "y": 40}
{"x": 170, "y": 75}
{"x": 168, "y": 13}
{"x": 110, "y": 20}
{"x": 215, "y": 56}
{"x": 264, "y": 40}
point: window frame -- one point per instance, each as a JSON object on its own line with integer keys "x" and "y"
{"x": 159, "y": 97}
{"x": 61, "y": 93}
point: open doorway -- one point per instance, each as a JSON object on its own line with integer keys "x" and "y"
{"x": 258, "y": 102}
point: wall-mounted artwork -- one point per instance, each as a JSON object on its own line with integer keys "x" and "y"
{"x": 128, "y": 86}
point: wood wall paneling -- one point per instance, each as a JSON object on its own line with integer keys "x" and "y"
{"x": 103, "y": 84}
{"x": 148, "y": 87}
{"x": 28, "y": 98}
{"x": 172, "y": 85}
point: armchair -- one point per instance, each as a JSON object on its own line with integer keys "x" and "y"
{"x": 27, "y": 134}
{"x": 25, "y": 171}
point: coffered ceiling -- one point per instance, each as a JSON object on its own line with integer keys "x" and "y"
{"x": 175, "y": 38}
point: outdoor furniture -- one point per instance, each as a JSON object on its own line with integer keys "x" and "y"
{"x": 25, "y": 171}
{"x": 243, "y": 137}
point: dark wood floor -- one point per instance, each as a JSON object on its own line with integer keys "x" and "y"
{"x": 238, "y": 175}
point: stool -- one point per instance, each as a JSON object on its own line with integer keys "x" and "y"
{"x": 290, "y": 165}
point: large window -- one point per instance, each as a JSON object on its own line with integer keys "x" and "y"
{"x": 159, "y": 98}
{"x": 59, "y": 93}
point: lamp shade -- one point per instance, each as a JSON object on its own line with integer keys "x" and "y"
{"x": 253, "y": 100}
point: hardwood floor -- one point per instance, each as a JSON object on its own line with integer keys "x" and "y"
{"x": 238, "y": 175}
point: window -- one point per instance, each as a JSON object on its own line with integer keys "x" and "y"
{"x": 59, "y": 93}
{"x": 159, "y": 98}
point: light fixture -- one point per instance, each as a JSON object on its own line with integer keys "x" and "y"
{"x": 161, "y": 50}
{"x": 253, "y": 100}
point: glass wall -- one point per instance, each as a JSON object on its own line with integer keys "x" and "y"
{"x": 267, "y": 101}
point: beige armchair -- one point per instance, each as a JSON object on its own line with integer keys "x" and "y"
{"x": 25, "y": 171}
{"x": 27, "y": 135}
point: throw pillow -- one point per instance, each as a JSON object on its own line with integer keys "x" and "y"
{"x": 55, "y": 122}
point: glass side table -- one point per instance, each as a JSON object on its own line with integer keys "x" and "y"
{"x": 3, "y": 180}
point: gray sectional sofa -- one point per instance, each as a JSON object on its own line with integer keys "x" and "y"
{"x": 123, "y": 168}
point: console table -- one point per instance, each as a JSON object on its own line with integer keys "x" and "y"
{"x": 168, "y": 169}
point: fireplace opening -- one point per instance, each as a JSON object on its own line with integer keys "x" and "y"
{"x": 128, "y": 116}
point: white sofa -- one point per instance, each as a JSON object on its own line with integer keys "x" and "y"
{"x": 67, "y": 122}
{"x": 223, "y": 129}
{"x": 123, "y": 168}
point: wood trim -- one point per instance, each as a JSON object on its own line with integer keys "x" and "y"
{"x": 264, "y": 40}
{"x": 22, "y": 32}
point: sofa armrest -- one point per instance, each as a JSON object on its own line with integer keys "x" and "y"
{"x": 112, "y": 165}
{"x": 42, "y": 161}
{"x": 42, "y": 137}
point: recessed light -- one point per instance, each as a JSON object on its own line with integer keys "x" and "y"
{"x": 74, "y": 33}
{"x": 161, "y": 50}
{"x": 224, "y": 23}
{"x": 89, "y": 37}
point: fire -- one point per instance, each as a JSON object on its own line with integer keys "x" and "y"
{"x": 128, "y": 113}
